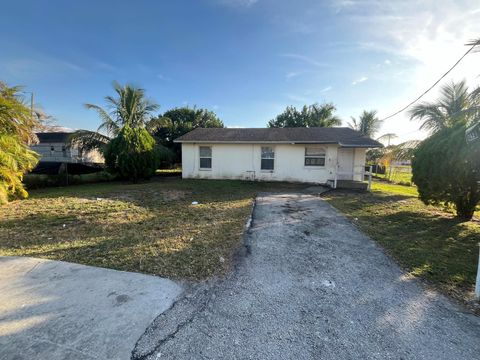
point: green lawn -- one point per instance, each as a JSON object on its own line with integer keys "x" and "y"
{"x": 399, "y": 175}
{"x": 150, "y": 227}
{"x": 427, "y": 241}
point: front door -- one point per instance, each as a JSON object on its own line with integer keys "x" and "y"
{"x": 345, "y": 164}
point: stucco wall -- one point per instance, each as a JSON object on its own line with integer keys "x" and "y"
{"x": 242, "y": 161}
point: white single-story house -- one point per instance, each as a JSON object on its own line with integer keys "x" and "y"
{"x": 311, "y": 155}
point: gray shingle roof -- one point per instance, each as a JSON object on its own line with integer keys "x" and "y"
{"x": 53, "y": 137}
{"x": 337, "y": 135}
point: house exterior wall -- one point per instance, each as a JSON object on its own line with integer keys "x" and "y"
{"x": 68, "y": 155}
{"x": 243, "y": 161}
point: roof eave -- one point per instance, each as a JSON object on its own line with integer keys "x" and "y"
{"x": 279, "y": 142}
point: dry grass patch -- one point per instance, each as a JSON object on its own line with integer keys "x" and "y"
{"x": 151, "y": 227}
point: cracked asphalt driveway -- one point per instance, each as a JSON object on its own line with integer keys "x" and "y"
{"x": 312, "y": 287}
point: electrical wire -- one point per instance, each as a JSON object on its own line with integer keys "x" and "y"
{"x": 434, "y": 84}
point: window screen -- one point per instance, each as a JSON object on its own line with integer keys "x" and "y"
{"x": 314, "y": 156}
{"x": 205, "y": 157}
{"x": 268, "y": 158}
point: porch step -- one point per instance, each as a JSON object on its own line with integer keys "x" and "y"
{"x": 350, "y": 184}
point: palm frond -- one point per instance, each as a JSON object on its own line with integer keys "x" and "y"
{"x": 108, "y": 124}
{"x": 154, "y": 124}
{"x": 88, "y": 140}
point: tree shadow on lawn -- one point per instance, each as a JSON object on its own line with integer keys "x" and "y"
{"x": 152, "y": 194}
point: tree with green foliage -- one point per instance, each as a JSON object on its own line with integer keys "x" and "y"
{"x": 445, "y": 167}
{"x": 368, "y": 123}
{"x": 315, "y": 115}
{"x": 17, "y": 131}
{"x": 130, "y": 109}
{"x": 445, "y": 170}
{"x": 178, "y": 121}
{"x": 132, "y": 154}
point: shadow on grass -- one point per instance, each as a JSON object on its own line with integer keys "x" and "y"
{"x": 151, "y": 194}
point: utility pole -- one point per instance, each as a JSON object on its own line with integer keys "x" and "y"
{"x": 31, "y": 104}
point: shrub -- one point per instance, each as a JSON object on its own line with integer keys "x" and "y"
{"x": 132, "y": 154}
{"x": 444, "y": 170}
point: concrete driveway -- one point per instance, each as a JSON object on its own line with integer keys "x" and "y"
{"x": 53, "y": 310}
{"x": 311, "y": 287}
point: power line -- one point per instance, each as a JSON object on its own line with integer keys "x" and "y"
{"x": 431, "y": 87}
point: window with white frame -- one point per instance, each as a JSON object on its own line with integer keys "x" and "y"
{"x": 314, "y": 156}
{"x": 268, "y": 158}
{"x": 205, "y": 157}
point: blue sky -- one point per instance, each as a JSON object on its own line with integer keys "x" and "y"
{"x": 245, "y": 59}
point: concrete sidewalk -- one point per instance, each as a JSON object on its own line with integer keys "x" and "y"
{"x": 57, "y": 310}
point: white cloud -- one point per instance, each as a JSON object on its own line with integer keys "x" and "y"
{"x": 163, "y": 77}
{"x": 359, "y": 80}
{"x": 421, "y": 41}
{"x": 237, "y": 3}
{"x": 326, "y": 89}
{"x": 292, "y": 74}
{"x": 298, "y": 98}
{"x": 305, "y": 59}
{"x": 38, "y": 66}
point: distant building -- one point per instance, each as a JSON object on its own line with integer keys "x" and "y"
{"x": 53, "y": 147}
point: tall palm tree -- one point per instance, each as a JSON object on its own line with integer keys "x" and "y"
{"x": 455, "y": 106}
{"x": 368, "y": 123}
{"x": 130, "y": 107}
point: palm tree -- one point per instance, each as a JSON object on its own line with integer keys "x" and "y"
{"x": 322, "y": 115}
{"x": 387, "y": 137}
{"x": 368, "y": 123}
{"x": 130, "y": 108}
{"x": 455, "y": 106}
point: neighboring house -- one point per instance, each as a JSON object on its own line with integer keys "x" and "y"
{"x": 53, "y": 147}
{"x": 313, "y": 155}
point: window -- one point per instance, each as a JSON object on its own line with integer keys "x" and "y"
{"x": 314, "y": 156}
{"x": 268, "y": 158}
{"x": 64, "y": 150}
{"x": 205, "y": 157}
